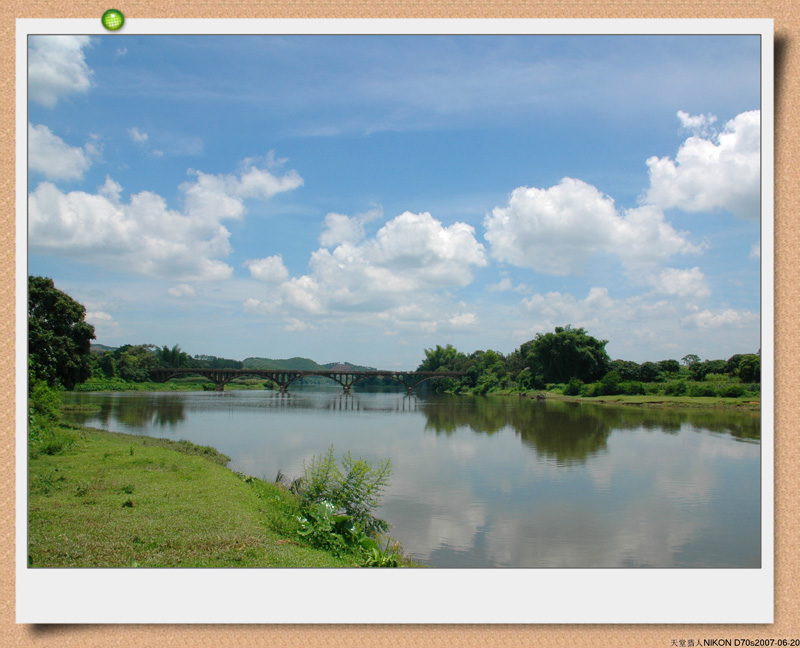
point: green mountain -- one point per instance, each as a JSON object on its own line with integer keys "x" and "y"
{"x": 297, "y": 364}
{"x": 101, "y": 348}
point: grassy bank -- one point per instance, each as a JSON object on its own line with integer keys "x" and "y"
{"x": 718, "y": 402}
{"x": 116, "y": 500}
{"x": 746, "y": 402}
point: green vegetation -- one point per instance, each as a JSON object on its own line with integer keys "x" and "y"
{"x": 570, "y": 362}
{"x": 58, "y": 337}
{"x": 338, "y": 505}
{"x": 112, "y": 500}
{"x": 355, "y": 489}
{"x": 567, "y": 362}
{"x": 103, "y": 499}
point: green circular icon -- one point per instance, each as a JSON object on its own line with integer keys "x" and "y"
{"x": 113, "y": 19}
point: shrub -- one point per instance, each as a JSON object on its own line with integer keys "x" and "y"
{"x": 592, "y": 389}
{"x": 675, "y": 388}
{"x": 44, "y": 415}
{"x": 611, "y": 383}
{"x": 732, "y": 391}
{"x": 631, "y": 388}
{"x": 702, "y": 389}
{"x": 573, "y": 387}
{"x": 326, "y": 529}
{"x": 355, "y": 489}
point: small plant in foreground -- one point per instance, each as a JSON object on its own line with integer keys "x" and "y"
{"x": 355, "y": 489}
{"x": 377, "y": 557}
{"x": 326, "y": 529}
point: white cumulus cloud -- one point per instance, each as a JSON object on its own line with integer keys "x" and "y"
{"x": 682, "y": 283}
{"x": 557, "y": 230}
{"x": 396, "y": 275}
{"x": 727, "y": 319}
{"x": 269, "y": 269}
{"x": 144, "y": 236}
{"x": 57, "y": 68}
{"x": 340, "y": 228}
{"x": 711, "y": 171}
{"x": 49, "y": 155}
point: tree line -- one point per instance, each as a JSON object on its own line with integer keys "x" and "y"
{"x": 577, "y": 364}
{"x": 567, "y": 359}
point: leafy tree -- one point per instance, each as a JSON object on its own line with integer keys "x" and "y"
{"x": 107, "y": 365}
{"x": 610, "y": 383}
{"x": 173, "y": 357}
{"x": 750, "y": 369}
{"x": 689, "y": 359}
{"x": 134, "y": 362}
{"x": 699, "y": 370}
{"x": 486, "y": 370}
{"x": 566, "y": 353}
{"x": 627, "y": 369}
{"x": 732, "y": 365}
{"x": 213, "y": 362}
{"x": 669, "y": 366}
{"x": 59, "y": 339}
{"x": 441, "y": 358}
{"x": 648, "y": 372}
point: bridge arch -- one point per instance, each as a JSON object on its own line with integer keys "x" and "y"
{"x": 284, "y": 377}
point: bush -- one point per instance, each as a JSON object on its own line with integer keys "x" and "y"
{"x": 44, "y": 416}
{"x": 324, "y": 528}
{"x": 354, "y": 490}
{"x": 631, "y": 388}
{"x": 731, "y": 391}
{"x": 611, "y": 383}
{"x": 702, "y": 389}
{"x": 592, "y": 389}
{"x": 573, "y": 387}
{"x": 675, "y": 388}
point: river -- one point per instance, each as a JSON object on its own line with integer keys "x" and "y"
{"x": 497, "y": 481}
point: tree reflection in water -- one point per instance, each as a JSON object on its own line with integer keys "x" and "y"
{"x": 571, "y": 432}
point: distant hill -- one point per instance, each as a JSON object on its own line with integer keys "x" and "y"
{"x": 292, "y": 364}
{"x": 304, "y": 364}
{"x": 297, "y": 364}
{"x": 101, "y": 348}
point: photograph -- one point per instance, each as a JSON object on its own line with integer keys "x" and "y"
{"x": 450, "y": 301}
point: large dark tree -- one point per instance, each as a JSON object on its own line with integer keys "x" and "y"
{"x": 566, "y": 353}
{"x": 59, "y": 340}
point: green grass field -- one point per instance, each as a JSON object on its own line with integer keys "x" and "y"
{"x": 115, "y": 500}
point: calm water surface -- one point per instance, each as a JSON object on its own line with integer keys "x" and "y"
{"x": 494, "y": 482}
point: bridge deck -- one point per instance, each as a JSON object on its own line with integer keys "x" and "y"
{"x": 284, "y": 377}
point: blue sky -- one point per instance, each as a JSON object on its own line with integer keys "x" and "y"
{"x": 362, "y": 198}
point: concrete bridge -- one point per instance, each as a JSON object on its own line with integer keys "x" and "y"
{"x": 283, "y": 377}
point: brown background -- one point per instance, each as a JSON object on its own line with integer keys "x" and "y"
{"x": 786, "y": 16}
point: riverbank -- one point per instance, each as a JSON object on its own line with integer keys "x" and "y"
{"x": 118, "y": 500}
{"x": 705, "y": 402}
{"x": 748, "y": 403}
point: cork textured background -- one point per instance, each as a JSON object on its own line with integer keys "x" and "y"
{"x": 786, "y": 16}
